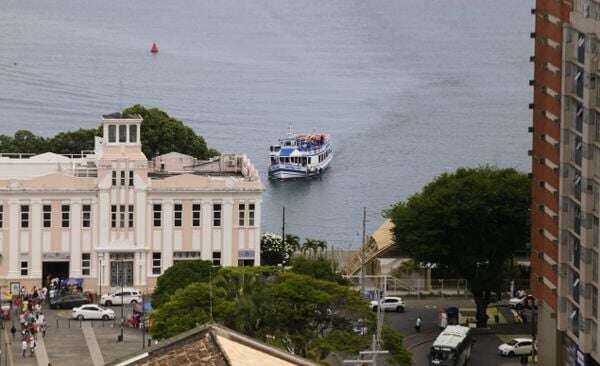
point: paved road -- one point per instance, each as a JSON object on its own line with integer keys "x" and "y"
{"x": 484, "y": 351}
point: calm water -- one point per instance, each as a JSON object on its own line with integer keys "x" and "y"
{"x": 407, "y": 88}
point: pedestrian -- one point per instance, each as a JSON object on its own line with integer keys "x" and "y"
{"x": 24, "y": 347}
{"x": 31, "y": 345}
{"x": 13, "y": 330}
{"x": 418, "y": 324}
{"x": 443, "y": 321}
{"x": 44, "y": 327}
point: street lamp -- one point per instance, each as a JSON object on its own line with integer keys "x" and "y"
{"x": 100, "y": 268}
{"x": 121, "y": 269}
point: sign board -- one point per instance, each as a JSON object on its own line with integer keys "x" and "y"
{"x": 244, "y": 254}
{"x": 56, "y": 256}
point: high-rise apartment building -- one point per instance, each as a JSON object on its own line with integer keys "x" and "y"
{"x": 550, "y": 16}
{"x": 566, "y": 237}
{"x": 111, "y": 217}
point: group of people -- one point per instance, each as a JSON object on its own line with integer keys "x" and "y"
{"x": 32, "y": 321}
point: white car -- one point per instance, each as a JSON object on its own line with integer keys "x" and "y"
{"x": 91, "y": 311}
{"x": 122, "y": 296}
{"x": 521, "y": 302}
{"x": 516, "y": 346}
{"x": 389, "y": 303}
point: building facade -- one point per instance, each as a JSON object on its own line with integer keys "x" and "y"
{"x": 549, "y": 15}
{"x": 111, "y": 217}
{"x": 580, "y": 187}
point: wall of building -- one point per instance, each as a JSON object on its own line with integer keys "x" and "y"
{"x": 549, "y": 16}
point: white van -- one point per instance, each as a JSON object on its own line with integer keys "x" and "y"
{"x": 122, "y": 296}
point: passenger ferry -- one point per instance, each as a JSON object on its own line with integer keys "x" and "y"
{"x": 300, "y": 155}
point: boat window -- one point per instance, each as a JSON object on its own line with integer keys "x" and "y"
{"x": 281, "y": 160}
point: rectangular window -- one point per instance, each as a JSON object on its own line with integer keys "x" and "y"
{"x": 122, "y": 178}
{"x": 24, "y": 216}
{"x": 114, "y": 178}
{"x": 24, "y": 268}
{"x": 122, "y": 133}
{"x": 47, "y": 216}
{"x": 133, "y": 133}
{"x": 196, "y": 214}
{"x": 1, "y": 216}
{"x": 85, "y": 264}
{"x": 595, "y": 266}
{"x": 245, "y": 262}
{"x": 156, "y": 263}
{"x": 130, "y": 212}
{"x": 65, "y": 215}
{"x": 112, "y": 133}
{"x": 131, "y": 178}
{"x": 86, "y": 215}
{"x": 251, "y": 208}
{"x": 216, "y": 257}
{"x": 242, "y": 213}
{"x": 113, "y": 216}
{"x": 186, "y": 256}
{"x": 217, "y": 214}
{"x": 594, "y": 301}
{"x": 157, "y": 214}
{"x": 122, "y": 216}
{"x": 178, "y": 214}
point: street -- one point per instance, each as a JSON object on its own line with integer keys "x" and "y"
{"x": 484, "y": 350}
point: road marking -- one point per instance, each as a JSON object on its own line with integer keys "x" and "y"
{"x": 92, "y": 343}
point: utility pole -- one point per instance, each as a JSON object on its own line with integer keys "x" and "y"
{"x": 283, "y": 227}
{"x": 362, "y": 252}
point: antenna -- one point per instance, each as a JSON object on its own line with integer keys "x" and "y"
{"x": 120, "y": 94}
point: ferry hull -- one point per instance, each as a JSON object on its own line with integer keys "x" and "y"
{"x": 283, "y": 173}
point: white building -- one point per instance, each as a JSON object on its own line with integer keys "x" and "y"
{"x": 111, "y": 216}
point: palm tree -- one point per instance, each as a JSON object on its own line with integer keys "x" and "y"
{"x": 310, "y": 245}
{"x": 321, "y": 246}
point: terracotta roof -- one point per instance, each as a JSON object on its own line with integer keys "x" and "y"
{"x": 212, "y": 345}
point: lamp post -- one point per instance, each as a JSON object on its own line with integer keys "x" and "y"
{"x": 122, "y": 272}
{"x": 100, "y": 267}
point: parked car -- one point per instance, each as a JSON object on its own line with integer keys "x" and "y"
{"x": 516, "y": 346}
{"x": 389, "y": 303}
{"x": 127, "y": 295}
{"x": 92, "y": 311}
{"x": 68, "y": 301}
{"x": 519, "y": 303}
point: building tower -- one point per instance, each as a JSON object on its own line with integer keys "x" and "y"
{"x": 549, "y": 15}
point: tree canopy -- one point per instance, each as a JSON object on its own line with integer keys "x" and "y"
{"x": 178, "y": 276}
{"x": 160, "y": 134}
{"x": 471, "y": 222}
{"x": 273, "y": 251}
{"x": 297, "y": 312}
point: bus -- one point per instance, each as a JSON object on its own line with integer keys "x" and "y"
{"x": 452, "y": 347}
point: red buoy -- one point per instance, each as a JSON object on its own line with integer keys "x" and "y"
{"x": 154, "y": 48}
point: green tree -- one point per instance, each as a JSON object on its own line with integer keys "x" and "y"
{"x": 471, "y": 222}
{"x": 191, "y": 306}
{"x": 298, "y": 313}
{"x": 315, "y": 246}
{"x": 274, "y": 252}
{"x": 319, "y": 268}
{"x": 162, "y": 134}
{"x": 74, "y": 142}
{"x": 179, "y": 276}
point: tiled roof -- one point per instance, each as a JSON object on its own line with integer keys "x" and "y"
{"x": 212, "y": 345}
